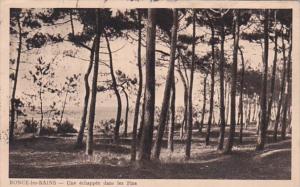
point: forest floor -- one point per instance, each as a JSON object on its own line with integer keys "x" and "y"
{"x": 55, "y": 157}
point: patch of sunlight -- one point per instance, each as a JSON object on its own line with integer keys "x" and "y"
{"x": 272, "y": 153}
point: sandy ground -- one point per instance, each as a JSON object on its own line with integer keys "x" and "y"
{"x": 55, "y": 157}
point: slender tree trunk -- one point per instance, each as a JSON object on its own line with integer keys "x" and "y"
{"x": 71, "y": 21}
{"x": 13, "y": 97}
{"x": 139, "y": 93}
{"x": 258, "y": 121}
{"x": 263, "y": 124}
{"x": 89, "y": 142}
{"x": 230, "y": 141}
{"x": 118, "y": 96}
{"x": 86, "y": 98}
{"x": 289, "y": 114}
{"x": 248, "y": 113}
{"x": 241, "y": 106}
{"x": 65, "y": 101}
{"x": 147, "y": 135}
{"x": 272, "y": 90}
{"x": 142, "y": 120}
{"x": 126, "y": 112}
{"x": 281, "y": 90}
{"x": 273, "y": 113}
{"x": 168, "y": 87}
{"x": 254, "y": 110}
{"x": 168, "y": 118}
{"x": 64, "y": 106}
{"x": 185, "y": 78}
{"x": 222, "y": 105}
{"x": 246, "y": 110}
{"x": 190, "y": 104}
{"x": 228, "y": 104}
{"x": 185, "y": 85}
{"x": 288, "y": 95}
{"x": 204, "y": 103}
{"x": 225, "y": 93}
{"x": 212, "y": 88}
{"x": 173, "y": 116}
{"x": 41, "y": 111}
{"x": 185, "y": 118}
{"x": 289, "y": 118}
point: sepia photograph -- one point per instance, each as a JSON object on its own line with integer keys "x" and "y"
{"x": 150, "y": 93}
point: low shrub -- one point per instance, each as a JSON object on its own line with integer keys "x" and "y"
{"x": 30, "y": 126}
{"x": 47, "y": 130}
{"x": 65, "y": 127}
{"x": 196, "y": 125}
{"x": 106, "y": 126}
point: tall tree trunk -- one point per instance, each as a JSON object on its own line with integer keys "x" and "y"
{"x": 230, "y": 141}
{"x": 263, "y": 124}
{"x": 246, "y": 110}
{"x": 289, "y": 113}
{"x": 139, "y": 136}
{"x": 185, "y": 80}
{"x": 288, "y": 95}
{"x": 222, "y": 105}
{"x": 147, "y": 135}
{"x": 186, "y": 98}
{"x": 168, "y": 86}
{"x": 282, "y": 88}
{"x": 185, "y": 118}
{"x": 204, "y": 102}
{"x": 227, "y": 104}
{"x": 89, "y": 142}
{"x": 115, "y": 88}
{"x": 13, "y": 97}
{"x": 241, "y": 106}
{"x": 185, "y": 85}
{"x": 190, "y": 104}
{"x": 273, "y": 113}
{"x": 126, "y": 112}
{"x": 64, "y": 106}
{"x": 258, "y": 120}
{"x": 272, "y": 90}
{"x": 67, "y": 91}
{"x": 41, "y": 111}
{"x": 248, "y": 113}
{"x": 254, "y": 110}
{"x": 212, "y": 87}
{"x": 173, "y": 116}
{"x": 86, "y": 98}
{"x": 139, "y": 93}
{"x": 168, "y": 118}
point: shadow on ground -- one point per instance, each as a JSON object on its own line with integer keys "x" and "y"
{"x": 55, "y": 157}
